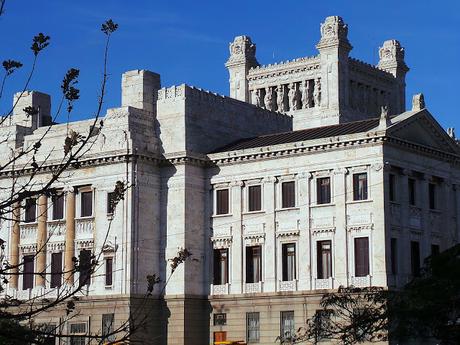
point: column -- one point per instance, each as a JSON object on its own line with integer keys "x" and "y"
{"x": 41, "y": 240}
{"x": 303, "y": 202}
{"x": 341, "y": 239}
{"x": 69, "y": 237}
{"x": 236, "y": 257}
{"x": 14, "y": 246}
{"x": 269, "y": 254}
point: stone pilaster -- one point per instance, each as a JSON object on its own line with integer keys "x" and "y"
{"x": 69, "y": 237}
{"x": 14, "y": 246}
{"x": 339, "y": 192}
{"x": 303, "y": 203}
{"x": 236, "y": 254}
{"x": 269, "y": 253}
{"x": 41, "y": 240}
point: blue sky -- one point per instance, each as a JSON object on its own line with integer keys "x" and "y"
{"x": 187, "y": 41}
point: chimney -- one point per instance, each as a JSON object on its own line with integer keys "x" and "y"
{"x": 139, "y": 89}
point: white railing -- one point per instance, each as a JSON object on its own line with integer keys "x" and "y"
{"x": 415, "y": 217}
{"x": 56, "y": 227}
{"x": 361, "y": 281}
{"x": 84, "y": 227}
{"x": 289, "y": 285}
{"x": 28, "y": 232}
{"x": 219, "y": 289}
{"x": 253, "y": 287}
{"x": 321, "y": 284}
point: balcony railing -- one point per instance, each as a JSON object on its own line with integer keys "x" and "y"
{"x": 289, "y": 285}
{"x": 84, "y": 227}
{"x": 56, "y": 227}
{"x": 220, "y": 289}
{"x": 253, "y": 287}
{"x": 361, "y": 281}
{"x": 28, "y": 233}
{"x": 327, "y": 283}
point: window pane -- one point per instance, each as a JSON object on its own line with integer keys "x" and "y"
{"x": 58, "y": 206}
{"x": 432, "y": 195}
{"x": 56, "y": 269}
{"x": 253, "y": 264}
{"x": 287, "y": 324}
{"x": 107, "y": 327}
{"x": 361, "y": 256}
{"x": 220, "y": 266}
{"x": 86, "y": 204}
{"x": 110, "y": 202}
{"x": 360, "y": 186}
{"x": 31, "y": 211}
{"x": 252, "y": 327}
{"x": 323, "y": 190}
{"x": 394, "y": 256}
{"x": 255, "y": 198}
{"x": 411, "y": 186}
{"x": 288, "y": 194}
{"x": 289, "y": 262}
{"x": 222, "y": 201}
{"x": 108, "y": 271}
{"x": 415, "y": 258}
{"x": 220, "y": 319}
{"x": 434, "y": 249}
{"x": 324, "y": 259}
{"x": 85, "y": 267}
{"x": 28, "y": 278}
{"x": 392, "y": 186}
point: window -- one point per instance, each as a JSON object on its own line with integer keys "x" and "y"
{"x": 432, "y": 195}
{"x": 361, "y": 256}
{"x": 58, "y": 206}
{"x": 411, "y": 187}
{"x": 85, "y": 267}
{"x": 252, "y": 327}
{"x": 253, "y": 264}
{"x": 50, "y": 337}
{"x": 78, "y": 332}
{"x": 222, "y": 201}
{"x": 287, "y": 324}
{"x": 56, "y": 270}
{"x": 394, "y": 255}
{"x": 109, "y": 271}
{"x": 107, "y": 327}
{"x": 392, "y": 187}
{"x": 110, "y": 202}
{"x": 86, "y": 204}
{"x": 220, "y": 319}
{"x": 289, "y": 264}
{"x": 255, "y": 198}
{"x": 288, "y": 194}
{"x": 360, "y": 186}
{"x": 415, "y": 258}
{"x": 323, "y": 190}
{"x": 324, "y": 259}
{"x": 31, "y": 210}
{"x": 28, "y": 277}
{"x": 434, "y": 249}
{"x": 220, "y": 266}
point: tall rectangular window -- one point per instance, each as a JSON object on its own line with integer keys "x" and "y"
{"x": 86, "y": 204}
{"x": 434, "y": 249}
{"x": 253, "y": 264}
{"x": 323, "y": 190}
{"x": 85, "y": 267}
{"x": 392, "y": 187}
{"x": 288, "y": 261}
{"x": 252, "y": 327}
{"x": 110, "y": 202}
{"x": 432, "y": 195}
{"x": 220, "y": 266}
{"x": 255, "y": 198}
{"x": 360, "y": 186}
{"x": 108, "y": 271}
{"x": 288, "y": 194}
{"x": 361, "y": 256}
{"x": 411, "y": 189}
{"x": 28, "y": 277}
{"x": 415, "y": 258}
{"x": 394, "y": 255}
{"x": 30, "y": 215}
{"x": 287, "y": 324}
{"x": 58, "y": 206}
{"x": 78, "y": 332}
{"x": 324, "y": 259}
{"x": 56, "y": 270}
{"x": 222, "y": 202}
{"x": 107, "y": 327}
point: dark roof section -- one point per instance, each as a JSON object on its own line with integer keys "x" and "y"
{"x": 301, "y": 135}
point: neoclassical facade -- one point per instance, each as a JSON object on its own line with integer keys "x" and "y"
{"x": 311, "y": 175}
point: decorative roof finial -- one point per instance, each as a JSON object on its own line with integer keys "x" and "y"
{"x": 451, "y": 132}
{"x": 418, "y": 102}
{"x": 385, "y": 120}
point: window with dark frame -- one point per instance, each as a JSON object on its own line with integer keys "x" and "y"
{"x": 287, "y": 329}
{"x": 411, "y": 188}
{"x": 78, "y": 332}
{"x": 108, "y": 321}
{"x": 394, "y": 255}
{"x": 288, "y": 194}
{"x": 392, "y": 187}
{"x": 222, "y": 201}
{"x": 323, "y": 190}
{"x": 324, "y": 259}
{"x": 253, "y": 264}
{"x": 288, "y": 261}
{"x": 85, "y": 267}
{"x": 253, "y": 327}
{"x": 110, "y": 203}
{"x": 220, "y": 266}
{"x": 30, "y": 215}
{"x": 50, "y": 334}
{"x": 108, "y": 271}
{"x": 361, "y": 256}
{"x": 415, "y": 258}
{"x": 56, "y": 270}
{"x": 360, "y": 186}
{"x": 220, "y": 319}
{"x": 28, "y": 277}
{"x": 432, "y": 196}
{"x": 435, "y": 249}
{"x": 58, "y": 206}
{"x": 254, "y": 198}
{"x": 86, "y": 204}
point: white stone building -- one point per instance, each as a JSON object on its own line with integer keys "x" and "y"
{"x": 297, "y": 184}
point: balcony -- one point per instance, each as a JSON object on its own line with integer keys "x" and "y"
{"x": 253, "y": 287}
{"x": 289, "y": 285}
{"x": 220, "y": 289}
{"x": 361, "y": 281}
{"x": 56, "y": 227}
{"x": 415, "y": 217}
{"x": 28, "y": 233}
{"x": 322, "y": 284}
{"x": 84, "y": 228}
